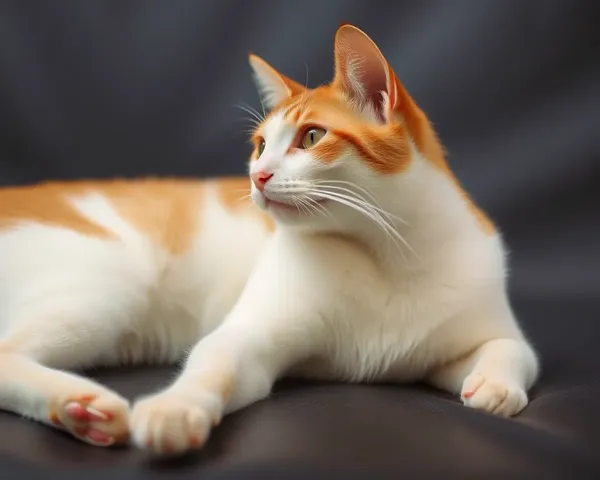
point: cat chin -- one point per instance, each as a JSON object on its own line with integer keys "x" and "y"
{"x": 286, "y": 213}
{"x": 296, "y": 217}
{"x": 293, "y": 216}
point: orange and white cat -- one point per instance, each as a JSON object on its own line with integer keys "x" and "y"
{"x": 358, "y": 258}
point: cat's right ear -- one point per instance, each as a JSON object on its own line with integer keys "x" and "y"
{"x": 273, "y": 87}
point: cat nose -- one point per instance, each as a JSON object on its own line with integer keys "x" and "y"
{"x": 260, "y": 179}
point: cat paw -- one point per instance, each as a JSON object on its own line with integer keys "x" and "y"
{"x": 492, "y": 395}
{"x": 173, "y": 423}
{"x": 100, "y": 419}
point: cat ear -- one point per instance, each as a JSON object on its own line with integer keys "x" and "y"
{"x": 273, "y": 87}
{"x": 363, "y": 73}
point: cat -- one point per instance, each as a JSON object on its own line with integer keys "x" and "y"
{"x": 349, "y": 252}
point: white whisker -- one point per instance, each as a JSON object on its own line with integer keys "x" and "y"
{"x": 308, "y": 206}
{"x": 359, "y": 197}
{"x": 370, "y": 214}
{"x": 377, "y": 208}
{"x": 252, "y": 111}
{"x": 318, "y": 207}
{"x": 300, "y": 204}
{"x": 368, "y": 210}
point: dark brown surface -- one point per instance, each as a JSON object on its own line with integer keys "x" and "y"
{"x": 97, "y": 89}
{"x": 377, "y": 429}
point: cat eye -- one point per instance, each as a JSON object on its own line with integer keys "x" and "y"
{"x": 312, "y": 137}
{"x": 261, "y": 146}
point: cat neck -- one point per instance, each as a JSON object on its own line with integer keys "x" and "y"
{"x": 426, "y": 212}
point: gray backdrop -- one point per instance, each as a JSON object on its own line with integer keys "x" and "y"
{"x": 99, "y": 89}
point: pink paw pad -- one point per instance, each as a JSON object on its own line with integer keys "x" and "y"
{"x": 99, "y": 438}
{"x": 81, "y": 414}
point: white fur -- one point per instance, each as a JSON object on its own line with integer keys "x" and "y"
{"x": 329, "y": 295}
{"x": 297, "y": 302}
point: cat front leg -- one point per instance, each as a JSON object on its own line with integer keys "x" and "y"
{"x": 32, "y": 388}
{"x": 494, "y": 378}
{"x": 236, "y": 365}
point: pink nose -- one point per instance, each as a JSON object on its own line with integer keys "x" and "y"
{"x": 260, "y": 178}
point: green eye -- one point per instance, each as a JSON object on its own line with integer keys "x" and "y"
{"x": 261, "y": 147}
{"x": 312, "y": 137}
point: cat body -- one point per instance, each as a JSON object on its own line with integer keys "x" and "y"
{"x": 157, "y": 260}
{"x": 350, "y": 253}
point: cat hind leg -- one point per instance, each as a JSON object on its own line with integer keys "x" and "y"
{"x": 34, "y": 382}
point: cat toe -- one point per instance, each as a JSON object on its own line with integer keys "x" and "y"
{"x": 101, "y": 420}
{"x": 494, "y": 396}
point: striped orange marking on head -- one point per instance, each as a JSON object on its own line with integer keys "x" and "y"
{"x": 329, "y": 149}
{"x": 385, "y": 153}
{"x": 293, "y": 115}
{"x": 362, "y": 72}
{"x": 383, "y": 147}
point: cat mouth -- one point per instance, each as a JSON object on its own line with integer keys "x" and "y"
{"x": 298, "y": 207}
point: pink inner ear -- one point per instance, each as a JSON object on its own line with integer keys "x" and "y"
{"x": 374, "y": 83}
{"x": 361, "y": 68}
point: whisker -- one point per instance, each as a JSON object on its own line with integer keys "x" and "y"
{"x": 317, "y": 207}
{"x": 306, "y": 81}
{"x": 252, "y": 111}
{"x": 362, "y": 200}
{"x": 371, "y": 215}
{"x": 370, "y": 195}
{"x": 304, "y": 96}
{"x": 368, "y": 210}
{"x": 262, "y": 106}
{"x": 307, "y": 206}
{"x": 298, "y": 203}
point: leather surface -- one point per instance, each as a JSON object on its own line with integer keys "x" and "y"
{"x": 102, "y": 89}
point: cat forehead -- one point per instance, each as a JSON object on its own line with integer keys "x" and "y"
{"x": 319, "y": 107}
{"x": 277, "y": 126}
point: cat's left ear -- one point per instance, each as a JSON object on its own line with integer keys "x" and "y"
{"x": 365, "y": 76}
{"x": 273, "y": 87}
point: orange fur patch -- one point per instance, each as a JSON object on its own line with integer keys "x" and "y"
{"x": 383, "y": 147}
{"x": 387, "y": 152}
{"x": 167, "y": 211}
{"x": 44, "y": 204}
{"x": 329, "y": 148}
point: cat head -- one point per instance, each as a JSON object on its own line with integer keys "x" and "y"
{"x": 330, "y": 151}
